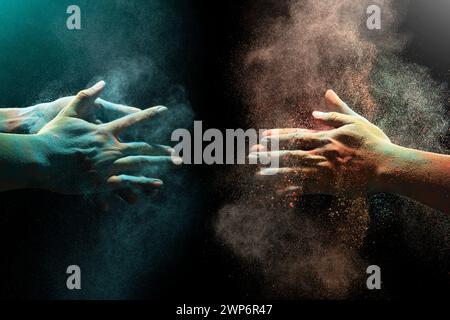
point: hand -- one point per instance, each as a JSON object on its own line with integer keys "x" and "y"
{"x": 30, "y": 120}
{"x": 83, "y": 157}
{"x": 344, "y": 160}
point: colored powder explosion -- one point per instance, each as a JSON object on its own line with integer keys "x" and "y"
{"x": 124, "y": 249}
{"x": 310, "y": 248}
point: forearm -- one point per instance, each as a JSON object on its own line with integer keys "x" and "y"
{"x": 22, "y": 161}
{"x": 11, "y": 120}
{"x": 30, "y": 119}
{"x": 419, "y": 175}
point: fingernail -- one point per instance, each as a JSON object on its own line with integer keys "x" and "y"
{"x": 177, "y": 160}
{"x": 99, "y": 85}
{"x": 161, "y": 109}
{"x": 318, "y": 114}
{"x": 157, "y": 183}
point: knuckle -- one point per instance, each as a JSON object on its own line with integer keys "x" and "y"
{"x": 357, "y": 121}
{"x": 101, "y": 139}
{"x": 325, "y": 166}
{"x": 114, "y": 180}
{"x": 145, "y": 146}
{"x": 333, "y": 116}
{"x": 317, "y": 152}
{"x": 97, "y": 143}
{"x": 102, "y": 132}
{"x": 123, "y": 148}
{"x": 82, "y": 95}
{"x": 141, "y": 161}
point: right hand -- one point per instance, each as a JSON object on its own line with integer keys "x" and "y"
{"x": 346, "y": 159}
{"x": 82, "y": 157}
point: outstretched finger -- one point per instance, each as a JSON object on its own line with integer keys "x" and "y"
{"x": 146, "y": 164}
{"x": 287, "y": 172}
{"x": 335, "y": 104}
{"x": 288, "y": 158}
{"x": 143, "y": 148}
{"x": 108, "y": 111}
{"x": 124, "y": 181}
{"x": 297, "y": 141}
{"x": 120, "y": 125}
{"x": 82, "y": 105}
{"x": 281, "y": 131}
{"x": 334, "y": 119}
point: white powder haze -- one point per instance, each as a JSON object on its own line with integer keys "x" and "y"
{"x": 122, "y": 251}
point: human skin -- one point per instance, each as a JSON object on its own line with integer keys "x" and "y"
{"x": 353, "y": 157}
{"x": 74, "y": 153}
{"x": 32, "y": 119}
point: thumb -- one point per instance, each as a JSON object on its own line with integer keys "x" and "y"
{"x": 335, "y": 104}
{"x": 83, "y": 103}
{"x": 333, "y": 119}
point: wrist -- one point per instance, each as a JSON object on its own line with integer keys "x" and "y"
{"x": 385, "y": 172}
{"x": 39, "y": 162}
{"x": 26, "y": 120}
{"x": 42, "y": 146}
{"x": 395, "y": 166}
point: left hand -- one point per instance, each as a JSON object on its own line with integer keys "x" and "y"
{"x": 30, "y": 120}
{"x": 81, "y": 155}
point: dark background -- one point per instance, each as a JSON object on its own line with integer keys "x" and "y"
{"x": 34, "y": 224}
